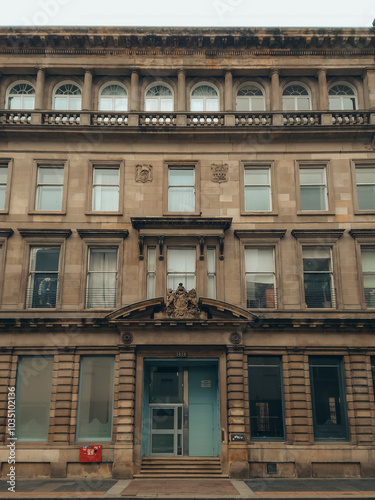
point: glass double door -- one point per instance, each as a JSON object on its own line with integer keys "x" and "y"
{"x": 181, "y": 409}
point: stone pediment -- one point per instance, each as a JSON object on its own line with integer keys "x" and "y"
{"x": 181, "y": 306}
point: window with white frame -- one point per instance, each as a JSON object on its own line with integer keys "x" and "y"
{"x": 33, "y": 397}
{"x": 49, "y": 189}
{"x": 101, "y": 290}
{"x": 313, "y": 186}
{"x": 250, "y": 97}
{"x": 113, "y": 98}
{"x": 368, "y": 271}
{"x": 211, "y": 272}
{"x": 159, "y": 97}
{"x": 95, "y": 398}
{"x": 365, "y": 179}
{"x": 151, "y": 272}
{"x": 342, "y": 97}
{"x": 204, "y": 98}
{"x": 260, "y": 277}
{"x": 67, "y": 96}
{"x": 3, "y": 184}
{"x": 296, "y": 98}
{"x": 181, "y": 189}
{"x": 318, "y": 277}
{"x": 258, "y": 189}
{"x": 105, "y": 189}
{"x": 181, "y": 268}
{"x": 43, "y": 277}
{"x": 21, "y": 96}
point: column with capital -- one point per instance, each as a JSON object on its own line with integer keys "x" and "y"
{"x": 326, "y": 118}
{"x": 323, "y": 91}
{"x": 134, "y": 98}
{"x": 229, "y": 120}
{"x": 86, "y": 97}
{"x": 275, "y": 90}
{"x": 39, "y": 91}
{"x": 36, "y": 118}
{"x": 181, "y": 97}
{"x": 277, "y": 118}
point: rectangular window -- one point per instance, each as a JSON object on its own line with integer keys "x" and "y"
{"x": 181, "y": 189}
{"x": 266, "y": 397}
{"x": 49, "y": 191}
{"x": 43, "y": 277}
{"x": 318, "y": 277}
{"x": 106, "y": 189}
{"x": 328, "y": 398}
{"x": 95, "y": 398}
{"x": 313, "y": 184}
{"x": 3, "y": 184}
{"x": 260, "y": 277}
{"x": 33, "y": 397}
{"x": 181, "y": 268}
{"x": 258, "y": 189}
{"x": 368, "y": 271}
{"x": 211, "y": 273}
{"x": 151, "y": 272}
{"x": 365, "y": 179}
{"x": 102, "y": 278}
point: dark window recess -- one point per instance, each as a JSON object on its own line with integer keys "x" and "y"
{"x": 373, "y": 372}
{"x": 271, "y": 468}
{"x": 43, "y": 277}
{"x": 266, "y": 397}
{"x": 166, "y": 385}
{"x": 328, "y": 399}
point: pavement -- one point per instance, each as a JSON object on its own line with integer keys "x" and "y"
{"x": 190, "y": 488}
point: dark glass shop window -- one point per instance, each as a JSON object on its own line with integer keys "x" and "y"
{"x": 328, "y": 399}
{"x": 166, "y": 384}
{"x": 266, "y": 397}
{"x": 373, "y": 372}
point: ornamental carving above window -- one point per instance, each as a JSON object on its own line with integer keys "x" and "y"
{"x": 219, "y": 172}
{"x": 143, "y": 173}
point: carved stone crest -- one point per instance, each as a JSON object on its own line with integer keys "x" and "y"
{"x": 182, "y": 304}
{"x": 143, "y": 173}
{"x": 219, "y": 172}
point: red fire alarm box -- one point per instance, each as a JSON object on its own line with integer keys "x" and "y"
{"x": 90, "y": 453}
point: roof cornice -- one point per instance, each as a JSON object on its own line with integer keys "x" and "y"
{"x": 212, "y": 41}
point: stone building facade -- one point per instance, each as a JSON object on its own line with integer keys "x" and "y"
{"x": 188, "y": 251}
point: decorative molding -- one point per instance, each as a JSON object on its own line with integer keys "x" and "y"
{"x": 45, "y": 233}
{"x": 324, "y": 235}
{"x": 6, "y": 233}
{"x": 359, "y": 234}
{"x": 103, "y": 233}
{"x": 222, "y": 223}
{"x": 260, "y": 233}
{"x": 127, "y": 338}
{"x": 143, "y": 173}
{"x": 219, "y": 172}
{"x": 141, "y": 246}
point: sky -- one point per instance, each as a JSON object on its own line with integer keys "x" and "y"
{"x": 324, "y": 13}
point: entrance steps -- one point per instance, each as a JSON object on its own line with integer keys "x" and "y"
{"x": 199, "y": 467}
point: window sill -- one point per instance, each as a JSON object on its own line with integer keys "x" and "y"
{"x": 315, "y": 212}
{"x": 182, "y": 214}
{"x": 100, "y": 212}
{"x": 47, "y": 212}
{"x": 364, "y": 212}
{"x": 254, "y": 214}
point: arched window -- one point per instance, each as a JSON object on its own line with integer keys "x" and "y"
{"x": 159, "y": 97}
{"x": 342, "y": 97}
{"x": 21, "y": 96}
{"x": 296, "y": 97}
{"x": 113, "y": 98}
{"x": 204, "y": 98}
{"x": 67, "y": 97}
{"x": 250, "y": 98}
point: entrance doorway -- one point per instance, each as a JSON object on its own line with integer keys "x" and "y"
{"x": 181, "y": 408}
